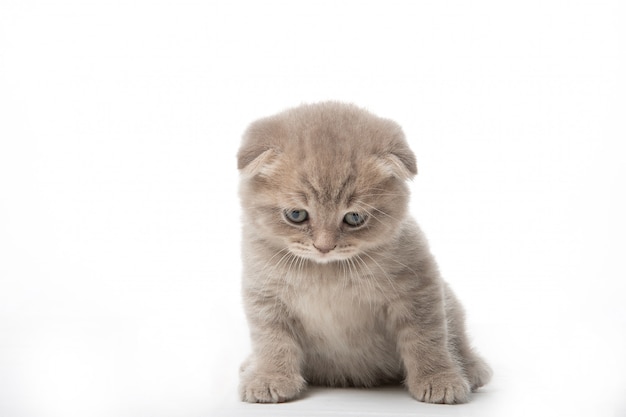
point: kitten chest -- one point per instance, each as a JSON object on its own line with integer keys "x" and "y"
{"x": 333, "y": 310}
{"x": 344, "y": 334}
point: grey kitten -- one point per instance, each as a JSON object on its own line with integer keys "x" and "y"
{"x": 339, "y": 286}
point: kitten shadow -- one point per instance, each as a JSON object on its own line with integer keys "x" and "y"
{"x": 389, "y": 393}
{"x": 388, "y": 390}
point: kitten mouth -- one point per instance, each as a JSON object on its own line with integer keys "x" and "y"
{"x": 324, "y": 257}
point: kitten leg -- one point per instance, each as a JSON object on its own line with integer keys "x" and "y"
{"x": 475, "y": 368}
{"x": 272, "y": 373}
{"x": 432, "y": 373}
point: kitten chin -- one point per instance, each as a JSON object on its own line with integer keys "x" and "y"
{"x": 339, "y": 285}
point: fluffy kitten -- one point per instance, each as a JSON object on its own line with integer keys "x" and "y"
{"x": 339, "y": 285}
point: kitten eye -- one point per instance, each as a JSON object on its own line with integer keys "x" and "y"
{"x": 354, "y": 219}
{"x": 296, "y": 216}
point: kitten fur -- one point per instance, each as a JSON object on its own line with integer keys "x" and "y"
{"x": 329, "y": 303}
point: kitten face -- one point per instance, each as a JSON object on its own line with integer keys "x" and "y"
{"x": 321, "y": 226}
{"x": 325, "y": 193}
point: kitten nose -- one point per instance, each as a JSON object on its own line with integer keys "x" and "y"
{"x": 324, "y": 248}
{"x": 324, "y": 240}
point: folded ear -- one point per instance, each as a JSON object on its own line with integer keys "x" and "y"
{"x": 396, "y": 158}
{"x": 254, "y": 160}
{"x": 258, "y": 147}
{"x": 402, "y": 166}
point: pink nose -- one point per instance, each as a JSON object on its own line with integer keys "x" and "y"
{"x": 324, "y": 248}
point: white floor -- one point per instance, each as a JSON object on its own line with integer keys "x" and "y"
{"x": 385, "y": 401}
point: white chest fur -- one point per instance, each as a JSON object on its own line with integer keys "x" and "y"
{"x": 337, "y": 313}
{"x": 345, "y": 337}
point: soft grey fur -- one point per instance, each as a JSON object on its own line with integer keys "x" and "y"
{"x": 331, "y": 304}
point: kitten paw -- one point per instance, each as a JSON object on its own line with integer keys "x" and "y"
{"x": 270, "y": 388}
{"x": 478, "y": 373}
{"x": 440, "y": 388}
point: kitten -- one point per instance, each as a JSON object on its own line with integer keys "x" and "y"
{"x": 339, "y": 286}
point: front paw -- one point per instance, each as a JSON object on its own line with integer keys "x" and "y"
{"x": 448, "y": 387}
{"x": 258, "y": 387}
{"x": 478, "y": 373}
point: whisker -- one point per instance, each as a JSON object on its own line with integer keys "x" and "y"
{"x": 378, "y": 210}
{"x": 344, "y": 286}
{"x": 393, "y": 259}
{"x": 354, "y": 279}
{"x": 370, "y": 214}
{"x": 373, "y": 277}
{"x": 370, "y": 279}
{"x": 393, "y": 287}
{"x": 381, "y": 195}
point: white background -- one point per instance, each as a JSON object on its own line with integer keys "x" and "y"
{"x": 119, "y": 219}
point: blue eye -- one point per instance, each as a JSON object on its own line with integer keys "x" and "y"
{"x": 296, "y": 216}
{"x": 354, "y": 219}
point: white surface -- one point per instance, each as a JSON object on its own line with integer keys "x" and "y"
{"x": 119, "y": 221}
{"x": 386, "y": 401}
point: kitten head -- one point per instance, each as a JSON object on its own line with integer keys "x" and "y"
{"x": 324, "y": 181}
